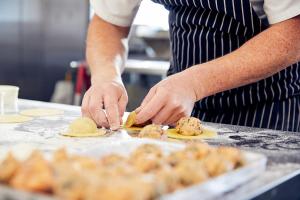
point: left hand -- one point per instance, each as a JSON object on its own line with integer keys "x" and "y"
{"x": 169, "y": 100}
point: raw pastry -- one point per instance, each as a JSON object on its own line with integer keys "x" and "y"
{"x": 130, "y": 119}
{"x": 147, "y": 173}
{"x": 191, "y": 172}
{"x": 232, "y": 154}
{"x": 147, "y": 149}
{"x": 41, "y": 112}
{"x": 8, "y": 167}
{"x": 199, "y": 150}
{"x": 133, "y": 188}
{"x": 14, "y": 119}
{"x": 146, "y": 163}
{"x": 216, "y": 165}
{"x": 35, "y": 174}
{"x": 189, "y": 126}
{"x": 152, "y": 131}
{"x": 84, "y": 127}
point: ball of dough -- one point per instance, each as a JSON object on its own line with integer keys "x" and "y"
{"x": 83, "y": 125}
{"x": 216, "y": 165}
{"x": 147, "y": 149}
{"x": 189, "y": 126}
{"x": 191, "y": 172}
{"x": 199, "y": 150}
{"x": 152, "y": 131}
{"x": 232, "y": 154}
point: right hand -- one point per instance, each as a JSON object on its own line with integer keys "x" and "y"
{"x": 105, "y": 102}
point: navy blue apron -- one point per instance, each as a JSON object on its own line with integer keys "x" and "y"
{"x": 202, "y": 30}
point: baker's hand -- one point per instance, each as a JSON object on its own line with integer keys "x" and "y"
{"x": 105, "y": 102}
{"x": 169, "y": 100}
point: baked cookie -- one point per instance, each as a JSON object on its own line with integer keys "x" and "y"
{"x": 189, "y": 126}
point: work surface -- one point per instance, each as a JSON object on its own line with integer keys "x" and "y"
{"x": 281, "y": 148}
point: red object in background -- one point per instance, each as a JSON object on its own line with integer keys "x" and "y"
{"x": 82, "y": 82}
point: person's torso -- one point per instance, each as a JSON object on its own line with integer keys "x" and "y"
{"x": 202, "y": 30}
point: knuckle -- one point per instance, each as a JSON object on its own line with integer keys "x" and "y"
{"x": 92, "y": 107}
{"x": 174, "y": 103}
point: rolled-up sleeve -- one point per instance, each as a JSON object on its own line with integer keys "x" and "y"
{"x": 117, "y": 12}
{"x": 280, "y": 10}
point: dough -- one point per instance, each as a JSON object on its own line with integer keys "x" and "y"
{"x": 191, "y": 172}
{"x": 84, "y": 127}
{"x": 41, "y": 112}
{"x": 14, "y": 119}
{"x": 130, "y": 122}
{"x": 189, "y": 126}
{"x": 130, "y": 119}
{"x": 152, "y": 131}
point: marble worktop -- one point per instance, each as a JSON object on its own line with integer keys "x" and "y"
{"x": 281, "y": 148}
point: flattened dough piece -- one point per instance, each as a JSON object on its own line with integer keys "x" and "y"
{"x": 130, "y": 119}
{"x": 84, "y": 127}
{"x": 206, "y": 134}
{"x": 14, "y": 119}
{"x": 41, "y": 112}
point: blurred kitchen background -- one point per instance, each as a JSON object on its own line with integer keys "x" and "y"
{"x": 42, "y": 49}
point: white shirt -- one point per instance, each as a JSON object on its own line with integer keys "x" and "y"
{"x": 122, "y": 12}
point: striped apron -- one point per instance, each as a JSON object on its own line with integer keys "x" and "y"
{"x": 202, "y": 30}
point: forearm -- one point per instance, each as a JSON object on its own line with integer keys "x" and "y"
{"x": 106, "y": 50}
{"x": 262, "y": 56}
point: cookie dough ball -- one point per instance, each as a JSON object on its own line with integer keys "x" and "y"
{"x": 147, "y": 149}
{"x": 83, "y": 125}
{"x": 216, "y": 165}
{"x": 152, "y": 131}
{"x": 175, "y": 157}
{"x": 232, "y": 154}
{"x": 167, "y": 181}
{"x": 112, "y": 159}
{"x": 146, "y": 163}
{"x": 199, "y": 150}
{"x": 190, "y": 172}
{"x": 134, "y": 188}
{"x": 189, "y": 126}
{"x": 8, "y": 167}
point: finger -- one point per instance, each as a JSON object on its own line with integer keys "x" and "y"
{"x": 150, "y": 109}
{"x": 112, "y": 111}
{"x": 122, "y": 104}
{"x": 164, "y": 114}
{"x": 96, "y": 111}
{"x": 138, "y": 109}
{"x": 174, "y": 119}
{"x": 84, "y": 105}
{"x": 148, "y": 97}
